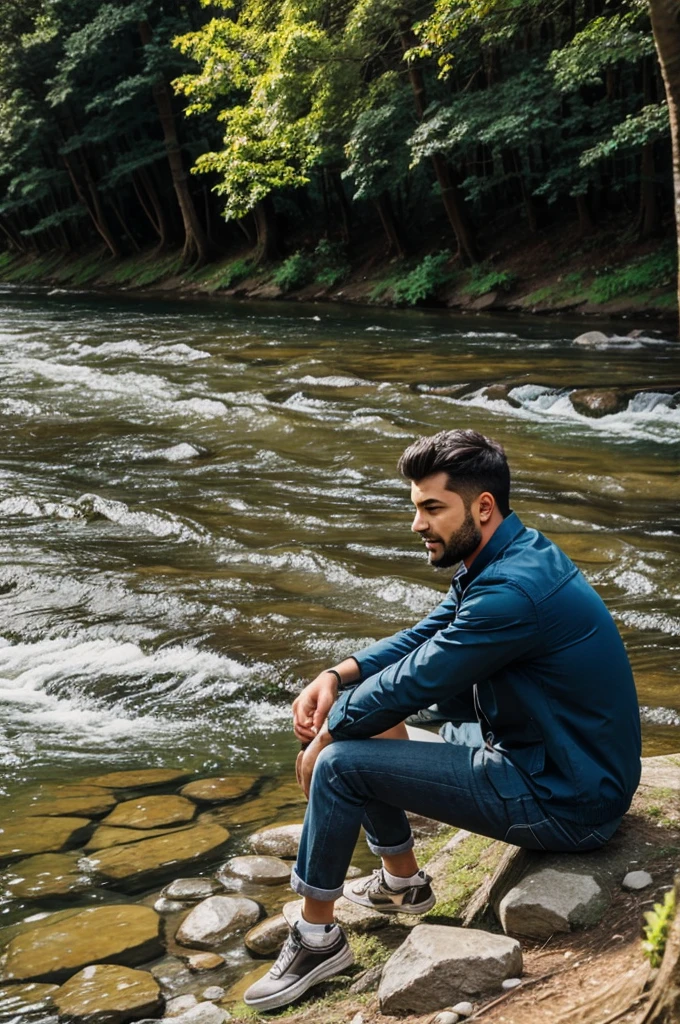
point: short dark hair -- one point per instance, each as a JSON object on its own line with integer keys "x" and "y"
{"x": 474, "y": 463}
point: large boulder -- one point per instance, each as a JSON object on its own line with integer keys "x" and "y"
{"x": 265, "y": 870}
{"x": 277, "y": 840}
{"x": 151, "y": 812}
{"x": 220, "y": 790}
{"x": 437, "y": 966}
{"x": 52, "y": 951}
{"x": 214, "y": 920}
{"x": 24, "y": 837}
{"x": 598, "y": 402}
{"x": 108, "y": 994}
{"x": 548, "y": 901}
{"x": 138, "y": 863}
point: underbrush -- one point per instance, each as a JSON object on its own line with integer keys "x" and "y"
{"x": 413, "y": 284}
{"x": 326, "y": 265}
{"x": 646, "y": 273}
{"x": 484, "y": 278}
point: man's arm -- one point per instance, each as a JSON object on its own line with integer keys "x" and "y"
{"x": 495, "y": 625}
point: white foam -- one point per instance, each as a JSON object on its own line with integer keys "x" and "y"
{"x": 177, "y": 453}
{"x": 19, "y": 407}
{"x": 332, "y": 381}
{"x": 146, "y": 522}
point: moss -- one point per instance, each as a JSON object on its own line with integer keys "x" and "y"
{"x": 434, "y": 844}
{"x": 368, "y": 950}
{"x": 468, "y": 866}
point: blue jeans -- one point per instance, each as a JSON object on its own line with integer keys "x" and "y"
{"x": 373, "y": 782}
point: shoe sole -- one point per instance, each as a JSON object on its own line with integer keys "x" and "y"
{"x": 324, "y": 970}
{"x": 394, "y": 908}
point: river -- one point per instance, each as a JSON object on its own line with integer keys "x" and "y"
{"x": 200, "y": 510}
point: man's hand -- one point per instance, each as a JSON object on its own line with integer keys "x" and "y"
{"x": 306, "y": 759}
{"x": 311, "y": 707}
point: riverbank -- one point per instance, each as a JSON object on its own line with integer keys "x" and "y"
{"x": 601, "y": 276}
{"x": 136, "y": 938}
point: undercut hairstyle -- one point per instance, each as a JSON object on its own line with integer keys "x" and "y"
{"x": 473, "y": 463}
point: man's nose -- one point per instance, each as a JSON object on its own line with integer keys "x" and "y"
{"x": 419, "y": 524}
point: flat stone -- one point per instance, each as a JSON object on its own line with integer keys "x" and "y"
{"x": 151, "y": 812}
{"x": 203, "y": 1013}
{"x": 136, "y": 863}
{"x": 636, "y": 880}
{"x": 266, "y": 870}
{"x": 549, "y": 901}
{"x": 368, "y": 981}
{"x": 67, "y": 801}
{"x": 235, "y": 993}
{"x": 175, "y": 1007}
{"x": 351, "y": 916}
{"x": 191, "y": 890}
{"x": 210, "y": 923}
{"x": 267, "y": 937}
{"x": 106, "y": 836}
{"x": 46, "y": 874}
{"x": 137, "y": 779}
{"x": 108, "y": 993}
{"x": 213, "y": 992}
{"x": 220, "y": 790}
{"x": 277, "y": 840}
{"x": 438, "y": 965}
{"x": 204, "y": 961}
{"x": 15, "y": 999}
{"x": 119, "y": 934}
{"x": 24, "y": 837}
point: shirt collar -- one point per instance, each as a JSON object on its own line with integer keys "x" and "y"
{"x": 510, "y": 528}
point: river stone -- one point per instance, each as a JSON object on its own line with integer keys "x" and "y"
{"x": 598, "y": 402}
{"x": 438, "y": 965}
{"x": 501, "y": 393}
{"x": 446, "y": 1017}
{"x": 636, "y": 880}
{"x": 220, "y": 790}
{"x": 277, "y": 840}
{"x": 267, "y": 870}
{"x": 177, "y": 1006}
{"x": 15, "y": 999}
{"x": 137, "y": 779}
{"x": 204, "y": 961}
{"x": 106, "y": 836}
{"x": 46, "y": 874}
{"x": 75, "y": 802}
{"x": 591, "y": 339}
{"x": 119, "y": 934}
{"x": 549, "y": 901}
{"x": 137, "y": 862}
{"x": 163, "y": 906}
{"x": 202, "y": 1013}
{"x": 151, "y": 812}
{"x": 367, "y": 981}
{"x": 27, "y": 836}
{"x": 213, "y": 992}
{"x": 215, "y": 919}
{"x": 107, "y": 994}
{"x": 191, "y": 890}
{"x": 267, "y": 937}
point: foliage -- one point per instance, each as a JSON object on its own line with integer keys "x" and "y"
{"x": 368, "y": 950}
{"x": 425, "y": 280}
{"x": 331, "y": 259}
{"x": 467, "y": 866}
{"x": 484, "y": 278}
{"x": 657, "y": 928}
{"x": 656, "y": 270}
{"x": 295, "y": 272}
{"x": 327, "y": 265}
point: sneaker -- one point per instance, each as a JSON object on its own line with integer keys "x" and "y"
{"x": 374, "y": 892}
{"x": 297, "y": 969}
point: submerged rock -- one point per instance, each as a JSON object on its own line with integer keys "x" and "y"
{"x": 67, "y": 801}
{"x": 136, "y": 863}
{"x": 204, "y": 961}
{"x": 191, "y": 890}
{"x": 277, "y": 840}
{"x": 215, "y": 919}
{"x": 151, "y": 812}
{"x": 138, "y": 778}
{"x": 18, "y": 998}
{"x": 106, "y": 993}
{"x": 438, "y": 965}
{"x": 549, "y": 901}
{"x": 119, "y": 934}
{"x": 106, "y": 836}
{"x": 267, "y": 937}
{"x": 591, "y": 339}
{"x": 501, "y": 393}
{"x": 220, "y": 790}
{"x": 266, "y": 870}
{"x": 24, "y": 837}
{"x": 598, "y": 402}
{"x": 46, "y": 874}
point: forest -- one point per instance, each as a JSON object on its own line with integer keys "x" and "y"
{"x": 298, "y": 129}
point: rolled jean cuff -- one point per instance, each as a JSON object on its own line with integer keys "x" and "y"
{"x": 328, "y": 895}
{"x": 389, "y": 851}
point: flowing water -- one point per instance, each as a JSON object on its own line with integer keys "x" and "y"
{"x": 200, "y": 510}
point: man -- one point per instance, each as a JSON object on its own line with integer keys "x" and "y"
{"x": 523, "y": 645}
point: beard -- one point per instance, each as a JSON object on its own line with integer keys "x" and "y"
{"x": 459, "y": 546}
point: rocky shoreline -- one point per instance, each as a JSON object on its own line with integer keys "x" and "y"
{"x": 173, "y": 897}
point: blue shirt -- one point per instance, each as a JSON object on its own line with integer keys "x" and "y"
{"x": 529, "y": 639}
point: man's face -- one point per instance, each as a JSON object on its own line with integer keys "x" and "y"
{"x": 448, "y": 527}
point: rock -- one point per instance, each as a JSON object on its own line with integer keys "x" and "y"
{"x": 367, "y": 981}
{"x": 163, "y": 906}
{"x": 267, "y": 937}
{"x": 203, "y": 1013}
{"x": 358, "y": 1018}
{"x": 24, "y": 837}
{"x": 636, "y": 880}
{"x": 213, "y": 992}
{"x": 138, "y": 779}
{"x": 46, "y": 874}
{"x": 464, "y": 1009}
{"x": 598, "y": 402}
{"x": 51, "y": 951}
{"x": 220, "y": 790}
{"x": 446, "y": 1017}
{"x": 74, "y": 801}
{"x": 266, "y": 870}
{"x": 108, "y": 993}
{"x": 511, "y": 983}
{"x": 15, "y": 1000}
{"x": 277, "y": 840}
{"x": 215, "y": 919}
{"x": 191, "y": 890}
{"x": 235, "y": 993}
{"x": 353, "y": 872}
{"x": 175, "y": 1007}
{"x": 501, "y": 393}
{"x": 591, "y": 339}
{"x": 351, "y": 916}
{"x": 106, "y": 836}
{"x": 135, "y": 863}
{"x": 548, "y": 901}
{"x": 436, "y": 965}
{"x": 151, "y": 812}
{"x": 204, "y": 961}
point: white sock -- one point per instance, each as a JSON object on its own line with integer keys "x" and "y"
{"x": 318, "y": 935}
{"x": 395, "y": 882}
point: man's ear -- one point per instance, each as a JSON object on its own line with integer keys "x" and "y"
{"x": 486, "y": 504}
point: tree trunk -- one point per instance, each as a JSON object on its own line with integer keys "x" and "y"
{"x": 267, "y": 244}
{"x": 664, "y": 1004}
{"x": 665, "y": 15}
{"x": 345, "y": 210}
{"x": 159, "y": 215}
{"x": 196, "y": 247}
{"x": 384, "y": 207}
{"x": 95, "y": 210}
{"x": 585, "y": 221}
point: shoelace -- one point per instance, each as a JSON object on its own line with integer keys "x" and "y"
{"x": 290, "y": 950}
{"x": 374, "y": 881}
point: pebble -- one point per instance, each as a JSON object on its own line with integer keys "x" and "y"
{"x": 213, "y": 992}
{"x": 179, "y": 1005}
{"x": 463, "y": 1009}
{"x": 446, "y": 1017}
{"x": 163, "y": 906}
{"x": 204, "y": 961}
{"x": 635, "y": 880}
{"x": 511, "y": 983}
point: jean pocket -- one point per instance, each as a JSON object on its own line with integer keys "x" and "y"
{"x": 526, "y": 836}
